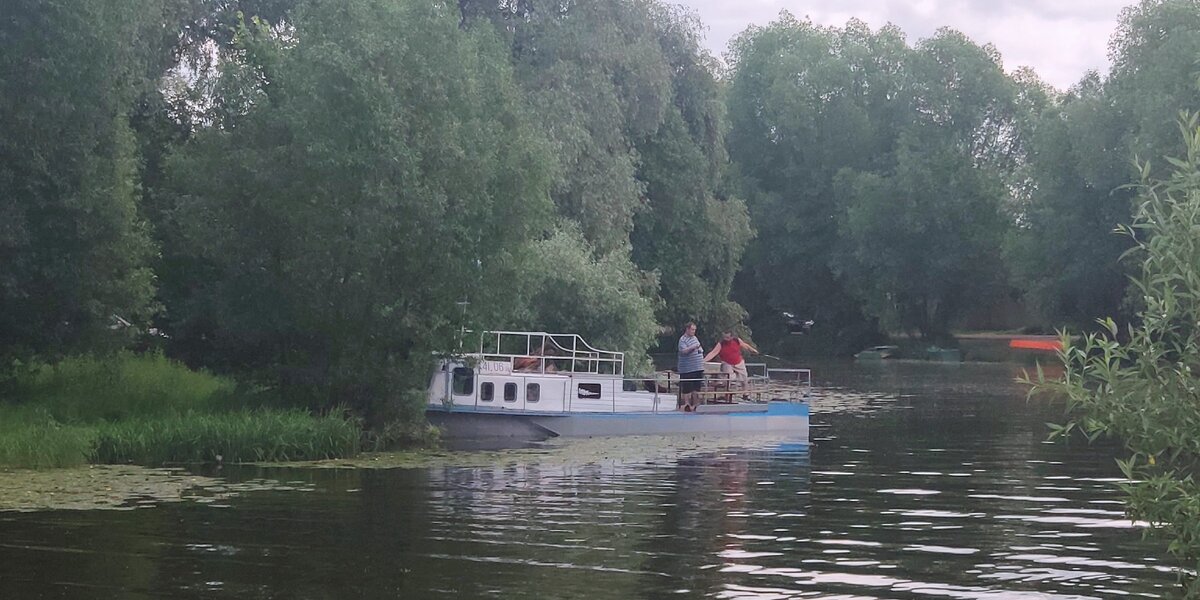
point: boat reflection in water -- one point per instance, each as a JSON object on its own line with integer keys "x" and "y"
{"x": 630, "y": 517}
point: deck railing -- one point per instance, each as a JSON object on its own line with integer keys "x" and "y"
{"x": 543, "y": 352}
{"x": 795, "y": 385}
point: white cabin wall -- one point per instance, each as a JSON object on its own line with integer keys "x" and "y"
{"x": 552, "y": 391}
{"x": 498, "y": 402}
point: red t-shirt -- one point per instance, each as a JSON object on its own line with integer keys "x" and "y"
{"x": 731, "y": 351}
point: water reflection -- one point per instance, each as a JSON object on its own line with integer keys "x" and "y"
{"x": 923, "y": 481}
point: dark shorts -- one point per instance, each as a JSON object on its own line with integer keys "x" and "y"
{"x": 687, "y": 387}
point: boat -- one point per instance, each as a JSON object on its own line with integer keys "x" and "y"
{"x": 946, "y": 355}
{"x": 538, "y": 385}
{"x": 878, "y": 353}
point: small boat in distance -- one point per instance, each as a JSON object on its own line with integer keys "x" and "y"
{"x": 878, "y": 353}
{"x": 538, "y": 385}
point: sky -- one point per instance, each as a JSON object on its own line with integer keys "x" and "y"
{"x": 1060, "y": 39}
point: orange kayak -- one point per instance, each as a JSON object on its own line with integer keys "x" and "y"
{"x": 1047, "y": 345}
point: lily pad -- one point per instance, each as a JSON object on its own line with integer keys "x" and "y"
{"x": 117, "y": 487}
{"x": 565, "y": 451}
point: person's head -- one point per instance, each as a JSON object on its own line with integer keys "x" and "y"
{"x": 689, "y": 328}
{"x": 726, "y": 335}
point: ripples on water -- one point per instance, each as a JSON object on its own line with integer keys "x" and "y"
{"x": 922, "y": 481}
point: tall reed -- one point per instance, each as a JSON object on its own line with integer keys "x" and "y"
{"x": 125, "y": 385}
{"x": 259, "y": 435}
{"x": 31, "y": 439}
{"x": 148, "y": 409}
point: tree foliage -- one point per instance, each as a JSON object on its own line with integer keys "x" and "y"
{"x": 303, "y": 191}
{"x": 804, "y": 103}
{"x": 1063, "y": 252}
{"x": 875, "y": 171}
{"x": 607, "y": 300}
{"x": 922, "y": 240}
{"x": 379, "y": 170}
{"x": 74, "y": 250}
{"x": 1154, "y": 75}
{"x": 629, "y": 101}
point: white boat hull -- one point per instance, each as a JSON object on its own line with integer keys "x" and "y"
{"x": 789, "y": 418}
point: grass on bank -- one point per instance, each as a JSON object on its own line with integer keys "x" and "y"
{"x": 148, "y": 409}
{"x": 259, "y": 435}
{"x": 33, "y": 440}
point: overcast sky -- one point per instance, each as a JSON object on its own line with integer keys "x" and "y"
{"x": 1060, "y": 39}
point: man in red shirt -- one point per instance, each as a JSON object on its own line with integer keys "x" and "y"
{"x": 730, "y": 351}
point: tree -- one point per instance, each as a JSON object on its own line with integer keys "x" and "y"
{"x": 875, "y": 173}
{"x": 1154, "y": 73}
{"x": 629, "y": 100}
{"x": 606, "y": 300}
{"x": 376, "y": 170}
{"x": 1063, "y": 252}
{"x": 806, "y": 102}
{"x": 693, "y": 229}
{"x": 921, "y": 239}
{"x": 1141, "y": 384}
{"x": 74, "y": 249}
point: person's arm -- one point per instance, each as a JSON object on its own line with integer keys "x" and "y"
{"x": 752, "y": 349}
{"x": 715, "y": 351}
{"x": 690, "y": 348}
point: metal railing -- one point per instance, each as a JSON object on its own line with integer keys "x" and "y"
{"x": 796, "y": 383}
{"x": 535, "y": 351}
{"x": 764, "y": 384}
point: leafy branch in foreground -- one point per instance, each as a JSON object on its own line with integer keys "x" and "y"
{"x": 1142, "y": 385}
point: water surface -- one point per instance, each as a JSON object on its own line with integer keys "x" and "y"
{"x": 921, "y": 481}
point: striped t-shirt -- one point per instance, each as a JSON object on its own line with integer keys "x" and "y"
{"x": 692, "y": 361}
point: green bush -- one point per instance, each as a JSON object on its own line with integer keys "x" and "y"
{"x": 125, "y": 385}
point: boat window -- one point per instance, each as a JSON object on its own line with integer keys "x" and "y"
{"x": 510, "y": 392}
{"x": 589, "y": 391}
{"x": 463, "y": 382}
{"x": 487, "y": 391}
{"x": 533, "y": 392}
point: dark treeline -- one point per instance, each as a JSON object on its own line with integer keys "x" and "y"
{"x": 316, "y": 195}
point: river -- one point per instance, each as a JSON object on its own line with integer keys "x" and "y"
{"x": 922, "y": 480}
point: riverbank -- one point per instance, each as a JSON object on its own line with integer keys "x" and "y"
{"x": 149, "y": 410}
{"x": 977, "y": 346}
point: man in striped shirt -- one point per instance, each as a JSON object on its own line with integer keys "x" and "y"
{"x": 690, "y": 367}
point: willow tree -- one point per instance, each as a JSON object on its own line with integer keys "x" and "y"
{"x": 806, "y": 102}
{"x": 921, "y": 238}
{"x": 628, "y": 99}
{"x": 1064, "y": 254}
{"x": 74, "y": 250}
{"x": 375, "y": 169}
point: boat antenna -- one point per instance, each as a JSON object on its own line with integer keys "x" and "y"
{"x": 462, "y": 327}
